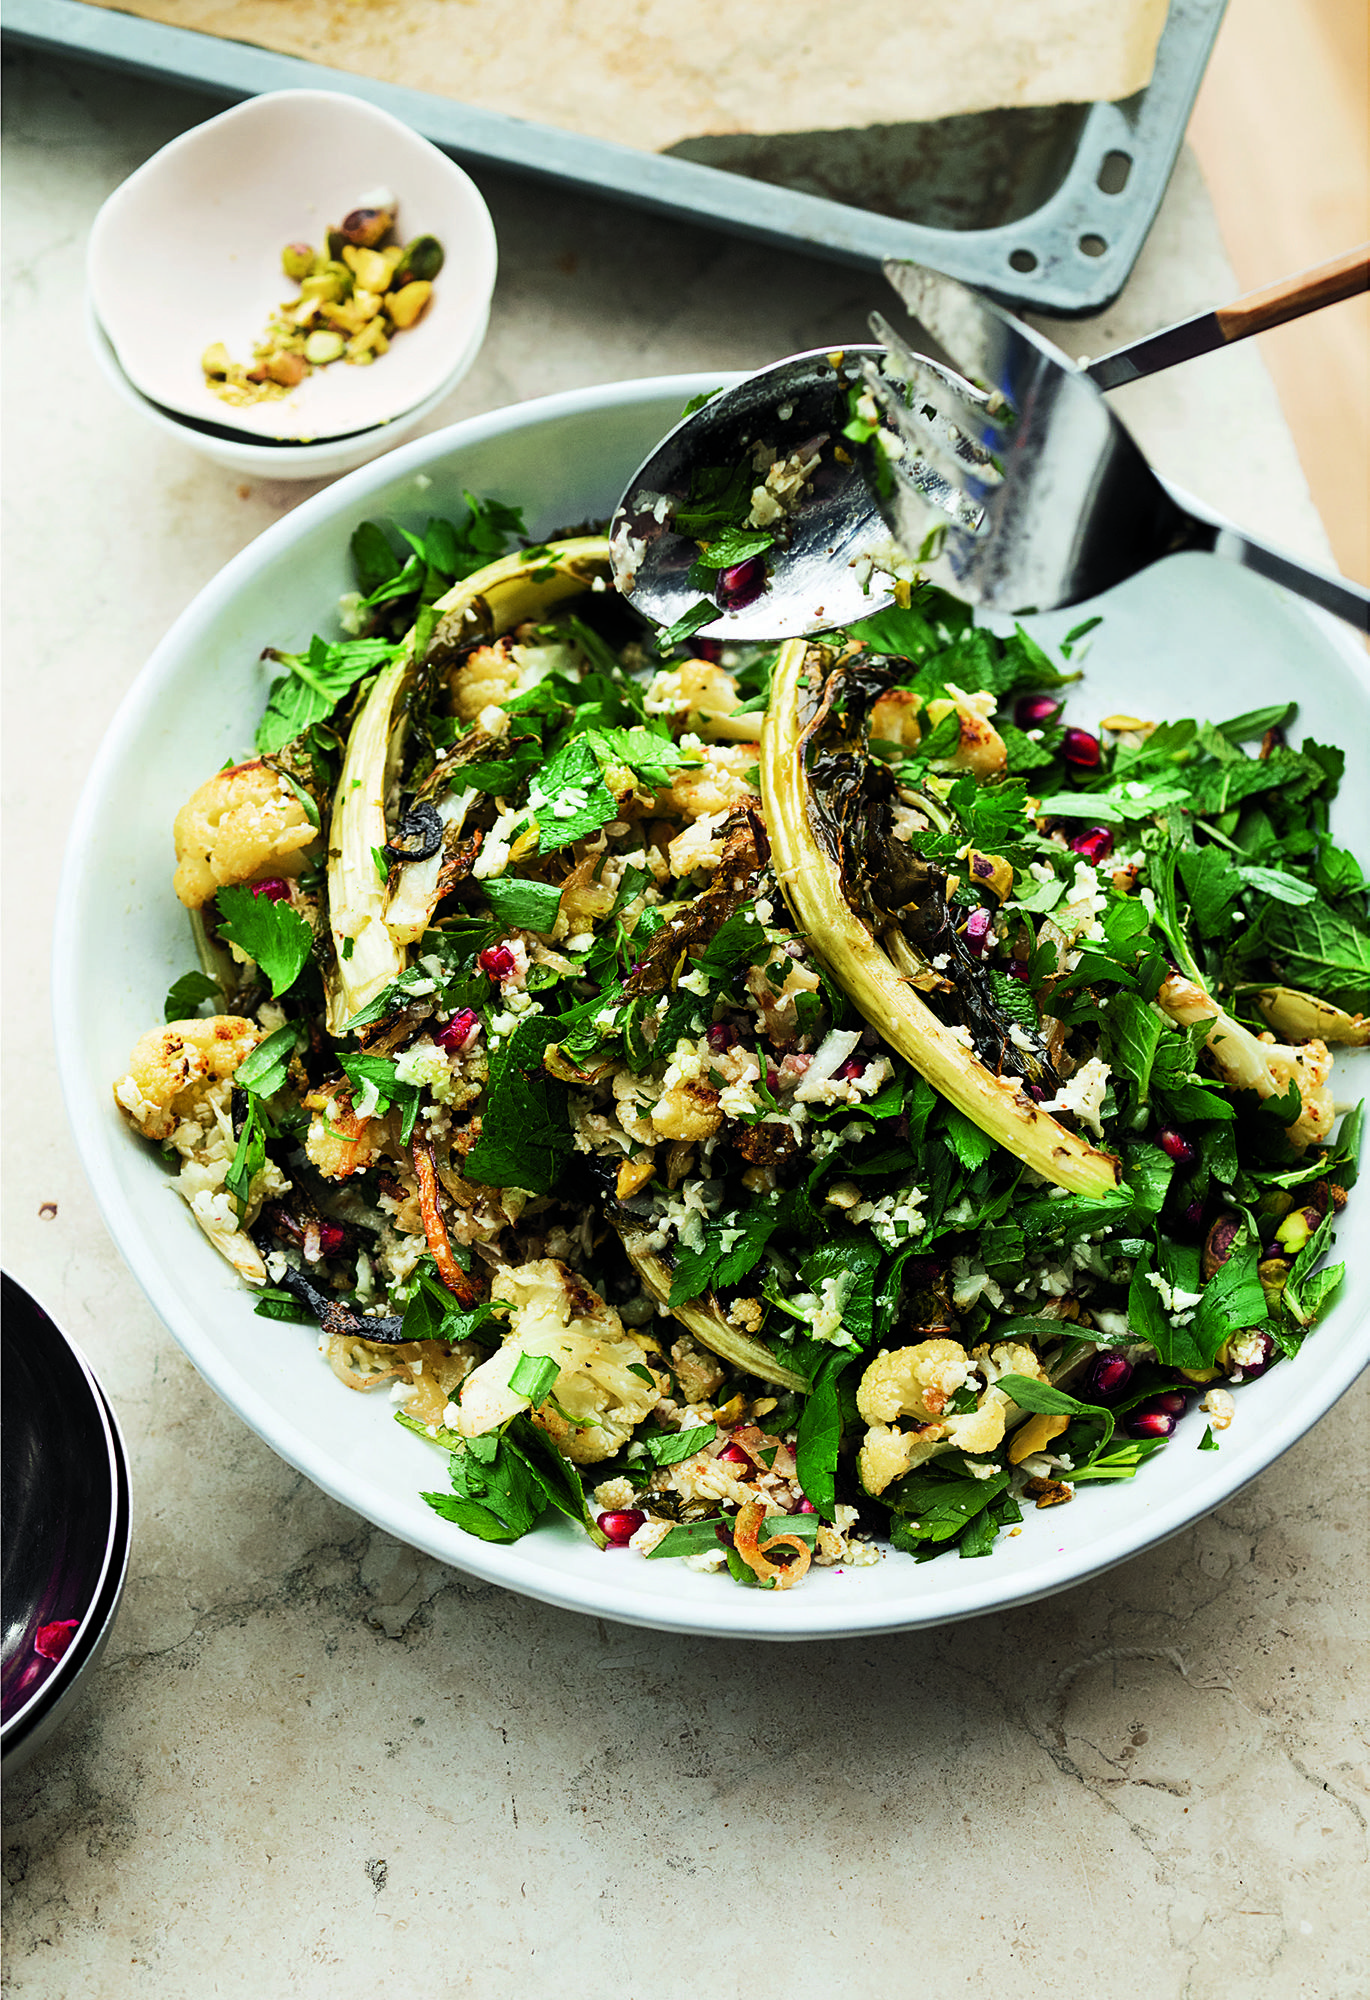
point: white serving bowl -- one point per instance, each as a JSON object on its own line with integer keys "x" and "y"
{"x": 1191, "y": 632}
{"x": 263, "y": 460}
{"x": 187, "y": 251}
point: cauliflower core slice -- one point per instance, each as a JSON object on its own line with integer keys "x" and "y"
{"x": 597, "y": 1400}
{"x": 1251, "y": 1062}
{"x": 242, "y": 825}
{"x": 920, "y": 1382}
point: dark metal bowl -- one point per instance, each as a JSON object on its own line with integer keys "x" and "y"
{"x": 66, "y": 1498}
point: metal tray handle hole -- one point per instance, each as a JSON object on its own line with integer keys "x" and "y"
{"x": 1113, "y": 173}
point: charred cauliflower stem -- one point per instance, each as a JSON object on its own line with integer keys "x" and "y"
{"x": 767, "y": 1106}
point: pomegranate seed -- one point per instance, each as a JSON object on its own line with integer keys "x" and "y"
{"x": 772, "y": 1078}
{"x": 1175, "y": 1145}
{"x": 332, "y": 1238}
{"x": 807, "y": 1507}
{"x": 497, "y": 961}
{"x": 733, "y": 1454}
{"x": 1108, "y": 1377}
{"x": 1150, "y": 1424}
{"x": 742, "y": 584}
{"x": 977, "y": 932}
{"x": 619, "y": 1528}
{"x": 51, "y": 1641}
{"x": 708, "y": 649}
{"x": 721, "y": 1037}
{"x": 1017, "y": 969}
{"x": 1081, "y": 749}
{"x": 458, "y": 1030}
{"x": 1170, "y": 1403}
{"x": 1095, "y": 844}
{"x": 275, "y": 888}
{"x": 854, "y": 1066}
{"x": 1035, "y": 711}
{"x": 1192, "y": 1220}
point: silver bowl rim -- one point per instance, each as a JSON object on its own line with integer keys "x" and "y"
{"x": 99, "y": 1612}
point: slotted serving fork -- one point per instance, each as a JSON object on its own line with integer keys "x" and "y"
{"x": 1015, "y": 484}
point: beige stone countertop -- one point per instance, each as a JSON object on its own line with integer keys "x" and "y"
{"x": 316, "y": 1763}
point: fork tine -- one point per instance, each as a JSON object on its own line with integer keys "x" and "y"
{"x": 924, "y": 420}
{"x": 922, "y": 466}
{"x": 953, "y": 481}
{"x": 972, "y": 410}
{"x": 950, "y": 313}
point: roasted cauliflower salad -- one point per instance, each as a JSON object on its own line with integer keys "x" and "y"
{"x": 773, "y": 1106}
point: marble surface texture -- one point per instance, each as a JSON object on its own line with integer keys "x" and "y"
{"x": 315, "y": 1763}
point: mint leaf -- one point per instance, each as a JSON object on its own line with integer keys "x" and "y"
{"x": 270, "y": 933}
{"x": 1321, "y": 951}
{"x": 734, "y": 545}
{"x": 263, "y": 1072}
{"x": 941, "y": 1506}
{"x": 529, "y": 906}
{"x": 1213, "y": 886}
{"x": 1280, "y": 884}
{"x": 570, "y": 798}
{"x": 685, "y": 627}
{"x": 272, "y": 1303}
{"x": 651, "y": 753}
{"x": 691, "y": 1538}
{"x": 525, "y": 1130}
{"x": 314, "y": 683}
{"x": 379, "y": 1071}
{"x": 820, "y": 1437}
{"x": 971, "y": 1146}
{"x": 248, "y": 1159}
{"x": 188, "y": 994}
{"x": 671, "y": 1447}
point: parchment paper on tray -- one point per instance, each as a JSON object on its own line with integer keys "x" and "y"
{"x": 652, "y": 73}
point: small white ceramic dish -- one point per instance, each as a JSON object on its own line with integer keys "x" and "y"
{"x": 257, "y": 457}
{"x": 188, "y": 251}
{"x": 1189, "y": 633}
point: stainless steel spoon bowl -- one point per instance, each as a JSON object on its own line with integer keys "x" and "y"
{"x": 817, "y": 577}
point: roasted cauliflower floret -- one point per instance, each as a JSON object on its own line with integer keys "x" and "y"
{"x": 243, "y": 825}
{"x": 887, "y": 1453}
{"x": 600, "y": 1395}
{"x": 913, "y": 1382}
{"x": 982, "y": 749}
{"x": 699, "y": 848}
{"x": 1258, "y": 1062}
{"x": 920, "y": 1382}
{"x": 338, "y": 1142}
{"x": 171, "y": 1070}
{"x": 687, "y": 1110}
{"x": 701, "y": 697}
{"x": 718, "y": 784}
{"x": 894, "y": 718}
{"x": 179, "y": 1091}
{"x": 489, "y": 675}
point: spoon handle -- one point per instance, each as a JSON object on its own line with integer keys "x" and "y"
{"x": 1254, "y": 312}
{"x": 1337, "y": 594}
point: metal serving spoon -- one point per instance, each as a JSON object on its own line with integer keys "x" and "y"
{"x": 1023, "y": 496}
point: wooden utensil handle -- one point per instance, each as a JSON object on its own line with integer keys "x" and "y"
{"x": 1343, "y": 278}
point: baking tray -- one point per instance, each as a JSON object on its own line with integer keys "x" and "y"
{"x": 1045, "y": 208}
